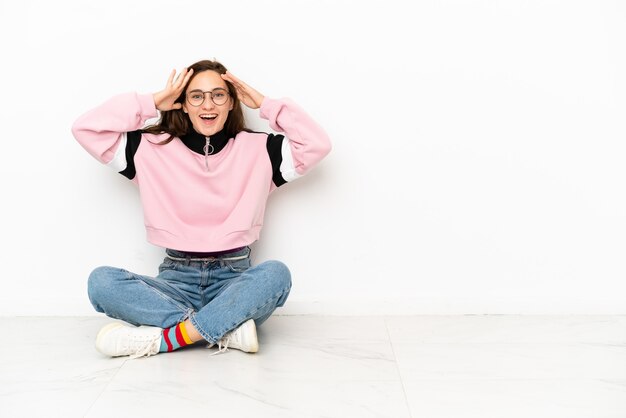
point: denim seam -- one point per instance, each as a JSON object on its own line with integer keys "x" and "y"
{"x": 163, "y": 296}
{"x": 186, "y": 315}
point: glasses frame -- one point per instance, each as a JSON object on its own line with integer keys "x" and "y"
{"x": 211, "y": 92}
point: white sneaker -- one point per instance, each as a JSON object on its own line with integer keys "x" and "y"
{"x": 243, "y": 338}
{"x": 117, "y": 339}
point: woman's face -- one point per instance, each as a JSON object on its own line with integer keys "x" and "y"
{"x": 207, "y": 118}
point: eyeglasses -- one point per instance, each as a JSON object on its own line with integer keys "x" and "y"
{"x": 219, "y": 96}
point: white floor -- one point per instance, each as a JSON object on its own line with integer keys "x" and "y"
{"x": 311, "y": 366}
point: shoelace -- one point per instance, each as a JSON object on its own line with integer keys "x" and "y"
{"x": 222, "y": 346}
{"x": 147, "y": 349}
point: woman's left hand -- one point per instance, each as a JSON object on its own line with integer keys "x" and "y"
{"x": 248, "y": 96}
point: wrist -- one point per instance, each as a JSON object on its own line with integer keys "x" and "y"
{"x": 157, "y": 100}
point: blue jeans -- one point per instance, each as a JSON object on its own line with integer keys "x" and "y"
{"x": 217, "y": 296}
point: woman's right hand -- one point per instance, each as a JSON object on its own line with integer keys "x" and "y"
{"x": 165, "y": 99}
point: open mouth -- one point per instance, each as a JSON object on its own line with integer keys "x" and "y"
{"x": 208, "y": 117}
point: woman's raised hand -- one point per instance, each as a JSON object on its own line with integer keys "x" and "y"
{"x": 165, "y": 99}
{"x": 248, "y": 96}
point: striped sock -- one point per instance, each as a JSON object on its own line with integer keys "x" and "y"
{"x": 174, "y": 338}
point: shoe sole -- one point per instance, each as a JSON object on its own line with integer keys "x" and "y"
{"x": 102, "y": 333}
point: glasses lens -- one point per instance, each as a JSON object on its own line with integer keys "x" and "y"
{"x": 219, "y": 96}
{"x": 195, "y": 98}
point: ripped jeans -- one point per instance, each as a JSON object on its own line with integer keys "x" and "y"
{"x": 216, "y": 294}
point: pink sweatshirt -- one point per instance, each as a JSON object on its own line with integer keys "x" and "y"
{"x": 190, "y": 207}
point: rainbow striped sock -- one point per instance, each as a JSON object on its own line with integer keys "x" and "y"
{"x": 174, "y": 338}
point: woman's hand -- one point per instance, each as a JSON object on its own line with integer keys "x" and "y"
{"x": 165, "y": 99}
{"x": 248, "y": 96}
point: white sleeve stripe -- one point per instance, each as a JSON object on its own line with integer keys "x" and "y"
{"x": 118, "y": 163}
{"x": 287, "y": 168}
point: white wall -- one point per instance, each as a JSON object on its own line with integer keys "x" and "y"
{"x": 477, "y": 163}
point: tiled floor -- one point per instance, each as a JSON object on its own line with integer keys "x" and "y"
{"x": 311, "y": 366}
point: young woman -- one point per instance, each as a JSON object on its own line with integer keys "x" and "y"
{"x": 203, "y": 180}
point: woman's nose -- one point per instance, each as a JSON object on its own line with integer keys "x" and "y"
{"x": 208, "y": 101}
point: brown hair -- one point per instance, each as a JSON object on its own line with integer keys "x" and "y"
{"x": 176, "y": 122}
